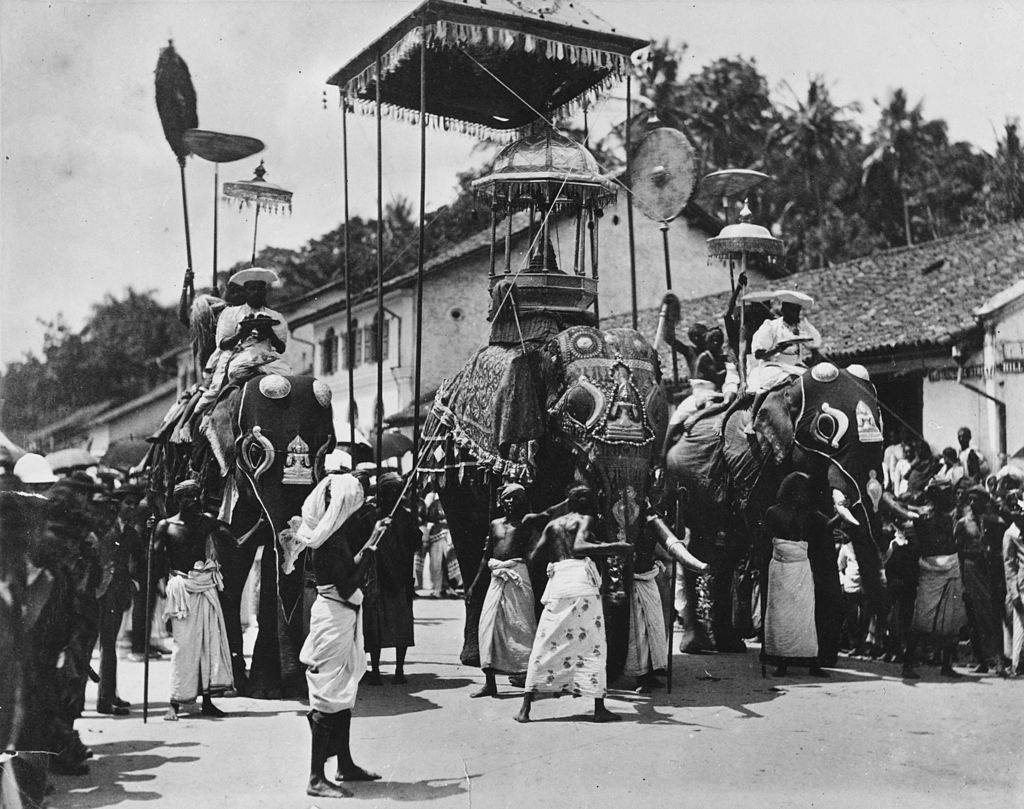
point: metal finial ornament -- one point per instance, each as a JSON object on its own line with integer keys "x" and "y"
{"x": 263, "y": 195}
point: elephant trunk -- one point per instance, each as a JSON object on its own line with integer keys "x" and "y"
{"x": 895, "y": 508}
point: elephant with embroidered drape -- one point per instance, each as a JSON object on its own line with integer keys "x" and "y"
{"x": 587, "y": 407}
{"x": 826, "y": 423}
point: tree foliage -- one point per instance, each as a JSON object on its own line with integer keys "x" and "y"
{"x": 112, "y": 359}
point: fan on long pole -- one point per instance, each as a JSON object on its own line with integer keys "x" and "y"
{"x": 176, "y": 104}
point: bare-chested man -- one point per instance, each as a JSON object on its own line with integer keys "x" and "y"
{"x": 569, "y": 649}
{"x": 507, "y": 619}
{"x": 201, "y": 661}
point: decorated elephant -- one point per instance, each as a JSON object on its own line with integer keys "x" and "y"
{"x": 825, "y": 423}
{"x": 586, "y": 406}
{"x": 269, "y": 438}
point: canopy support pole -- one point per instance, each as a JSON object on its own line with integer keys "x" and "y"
{"x": 379, "y": 330}
{"x": 350, "y": 349}
{"x": 255, "y": 229}
{"x": 629, "y": 202}
{"x": 420, "y": 258}
{"x": 216, "y": 195}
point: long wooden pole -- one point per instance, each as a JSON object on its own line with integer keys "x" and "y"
{"x": 668, "y": 285}
{"x": 420, "y": 258}
{"x": 629, "y": 202}
{"x": 379, "y": 331}
{"x": 350, "y": 349}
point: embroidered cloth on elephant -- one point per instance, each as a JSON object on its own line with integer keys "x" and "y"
{"x": 507, "y": 620}
{"x": 939, "y": 606}
{"x": 569, "y": 650}
{"x": 201, "y": 660}
{"x": 789, "y": 630}
{"x": 333, "y": 651}
{"x": 648, "y": 644}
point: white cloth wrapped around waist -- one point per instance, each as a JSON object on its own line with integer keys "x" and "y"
{"x": 651, "y": 574}
{"x": 939, "y": 564}
{"x": 507, "y": 569}
{"x": 571, "y": 578}
{"x": 181, "y": 586}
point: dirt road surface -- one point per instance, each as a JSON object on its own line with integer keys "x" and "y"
{"x": 722, "y": 739}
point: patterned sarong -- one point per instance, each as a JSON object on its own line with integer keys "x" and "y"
{"x": 648, "y": 644}
{"x": 333, "y": 651}
{"x": 507, "y": 620}
{"x": 789, "y": 631}
{"x": 569, "y": 650}
{"x": 201, "y": 660}
{"x": 939, "y": 607}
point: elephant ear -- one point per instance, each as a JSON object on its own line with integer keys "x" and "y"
{"x": 773, "y": 425}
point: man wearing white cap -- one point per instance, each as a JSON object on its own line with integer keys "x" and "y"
{"x": 254, "y": 281}
{"x": 782, "y": 345}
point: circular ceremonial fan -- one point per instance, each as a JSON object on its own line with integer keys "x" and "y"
{"x": 664, "y": 173}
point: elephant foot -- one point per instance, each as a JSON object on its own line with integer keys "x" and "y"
{"x": 731, "y": 646}
{"x": 690, "y": 642}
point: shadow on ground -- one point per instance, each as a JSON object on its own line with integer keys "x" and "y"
{"x": 116, "y": 767}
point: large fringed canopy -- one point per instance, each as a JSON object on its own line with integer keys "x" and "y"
{"x": 492, "y": 65}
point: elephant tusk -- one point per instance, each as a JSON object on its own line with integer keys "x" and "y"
{"x": 896, "y": 508}
{"x": 674, "y": 545}
{"x": 842, "y": 509}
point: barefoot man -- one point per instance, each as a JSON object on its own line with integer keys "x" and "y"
{"x": 201, "y": 661}
{"x": 569, "y": 650}
{"x": 507, "y": 619}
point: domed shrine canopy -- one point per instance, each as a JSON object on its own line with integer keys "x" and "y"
{"x": 545, "y": 167}
{"x": 490, "y": 64}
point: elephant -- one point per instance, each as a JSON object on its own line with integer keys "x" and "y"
{"x": 727, "y": 470}
{"x": 585, "y": 406}
{"x": 282, "y": 428}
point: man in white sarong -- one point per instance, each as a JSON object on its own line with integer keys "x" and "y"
{"x": 790, "y": 633}
{"x": 333, "y": 650}
{"x": 508, "y": 622}
{"x": 201, "y": 661}
{"x": 569, "y": 650}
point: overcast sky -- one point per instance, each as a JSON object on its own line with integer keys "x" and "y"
{"x": 89, "y": 188}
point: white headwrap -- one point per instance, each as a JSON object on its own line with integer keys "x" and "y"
{"x": 319, "y": 521}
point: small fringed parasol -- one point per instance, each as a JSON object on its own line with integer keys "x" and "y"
{"x": 265, "y": 196}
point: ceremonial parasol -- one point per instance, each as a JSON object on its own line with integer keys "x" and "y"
{"x": 219, "y": 147}
{"x": 263, "y": 195}
{"x": 735, "y": 244}
{"x": 176, "y": 104}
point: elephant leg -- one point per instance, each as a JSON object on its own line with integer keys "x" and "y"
{"x": 721, "y": 596}
{"x": 470, "y": 642}
{"x": 235, "y": 562}
{"x": 694, "y": 637}
{"x": 265, "y": 671}
{"x": 616, "y": 623}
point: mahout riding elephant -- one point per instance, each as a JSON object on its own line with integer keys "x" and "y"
{"x": 586, "y": 407}
{"x": 825, "y": 423}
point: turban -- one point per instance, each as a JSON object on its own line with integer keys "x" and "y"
{"x": 186, "y": 487}
{"x": 390, "y": 481}
{"x": 510, "y": 489}
{"x": 320, "y": 519}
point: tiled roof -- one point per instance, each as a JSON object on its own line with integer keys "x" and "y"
{"x": 908, "y": 298}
